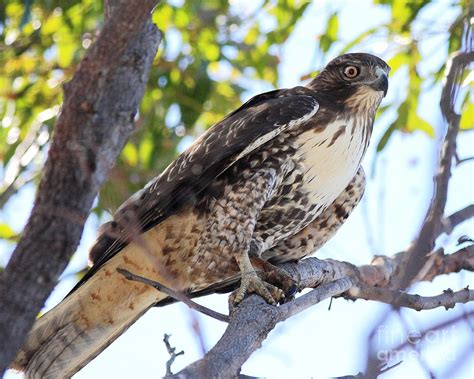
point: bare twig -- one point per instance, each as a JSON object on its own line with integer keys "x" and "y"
{"x": 312, "y": 272}
{"x": 172, "y": 352}
{"x": 13, "y": 188}
{"x": 359, "y": 375}
{"x": 460, "y": 161}
{"x": 450, "y": 222}
{"x": 315, "y": 296}
{"x": 447, "y": 299}
{"x": 440, "y": 326}
{"x": 386, "y": 367}
{"x": 175, "y": 295}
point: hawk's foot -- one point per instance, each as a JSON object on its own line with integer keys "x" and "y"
{"x": 275, "y": 276}
{"x": 264, "y": 279}
{"x": 251, "y": 283}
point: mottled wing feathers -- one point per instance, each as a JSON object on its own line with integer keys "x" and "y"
{"x": 241, "y": 132}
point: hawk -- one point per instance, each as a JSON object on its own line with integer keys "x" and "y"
{"x": 270, "y": 183}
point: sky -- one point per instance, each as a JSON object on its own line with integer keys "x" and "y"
{"x": 320, "y": 342}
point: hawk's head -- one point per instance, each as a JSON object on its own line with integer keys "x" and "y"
{"x": 354, "y": 79}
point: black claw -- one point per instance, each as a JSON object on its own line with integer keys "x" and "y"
{"x": 290, "y": 294}
{"x": 292, "y": 291}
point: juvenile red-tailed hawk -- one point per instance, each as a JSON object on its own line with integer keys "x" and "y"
{"x": 270, "y": 183}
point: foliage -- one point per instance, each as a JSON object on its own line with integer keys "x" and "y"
{"x": 212, "y": 53}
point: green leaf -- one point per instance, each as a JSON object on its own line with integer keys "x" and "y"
{"x": 6, "y": 232}
{"x": 467, "y": 117}
{"x": 330, "y": 35}
{"x": 415, "y": 122}
{"x": 386, "y": 136}
{"x": 398, "y": 60}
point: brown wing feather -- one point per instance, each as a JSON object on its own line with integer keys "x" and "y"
{"x": 244, "y": 130}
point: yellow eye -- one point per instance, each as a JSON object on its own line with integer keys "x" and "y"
{"x": 351, "y": 71}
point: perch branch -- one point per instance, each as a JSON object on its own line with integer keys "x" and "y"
{"x": 253, "y": 319}
{"x": 250, "y": 323}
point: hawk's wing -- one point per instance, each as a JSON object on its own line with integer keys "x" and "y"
{"x": 256, "y": 122}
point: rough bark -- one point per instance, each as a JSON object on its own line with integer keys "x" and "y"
{"x": 97, "y": 116}
{"x": 253, "y": 319}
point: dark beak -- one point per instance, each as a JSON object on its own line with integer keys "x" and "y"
{"x": 381, "y": 83}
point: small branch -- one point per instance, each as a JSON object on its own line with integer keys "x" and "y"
{"x": 432, "y": 224}
{"x": 447, "y": 299}
{"x": 450, "y": 222}
{"x": 386, "y": 367}
{"x": 250, "y": 324}
{"x": 312, "y": 272}
{"x": 175, "y": 295}
{"x": 171, "y": 352}
{"x": 359, "y": 375}
{"x": 460, "y": 161}
{"x": 314, "y": 297}
{"x": 440, "y": 264}
{"x": 444, "y": 325}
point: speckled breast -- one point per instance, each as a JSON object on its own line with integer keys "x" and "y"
{"x": 320, "y": 163}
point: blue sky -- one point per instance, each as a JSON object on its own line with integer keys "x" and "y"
{"x": 322, "y": 343}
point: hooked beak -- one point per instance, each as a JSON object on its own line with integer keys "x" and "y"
{"x": 381, "y": 83}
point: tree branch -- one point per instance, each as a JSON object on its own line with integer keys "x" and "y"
{"x": 450, "y": 222}
{"x": 447, "y": 299}
{"x": 175, "y": 295}
{"x": 417, "y": 263}
{"x": 432, "y": 225}
{"x": 172, "y": 352}
{"x": 253, "y": 319}
{"x": 250, "y": 324}
{"x": 96, "y": 119}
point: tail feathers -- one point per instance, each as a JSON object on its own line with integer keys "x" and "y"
{"x": 80, "y": 327}
{"x": 59, "y": 350}
{"x": 70, "y": 349}
{"x": 56, "y": 352}
{"x": 43, "y": 331}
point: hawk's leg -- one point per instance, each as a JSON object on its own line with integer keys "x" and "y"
{"x": 231, "y": 226}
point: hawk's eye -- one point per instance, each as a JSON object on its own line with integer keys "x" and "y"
{"x": 351, "y": 71}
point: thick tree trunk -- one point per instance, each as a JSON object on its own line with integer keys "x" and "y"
{"x": 99, "y": 107}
